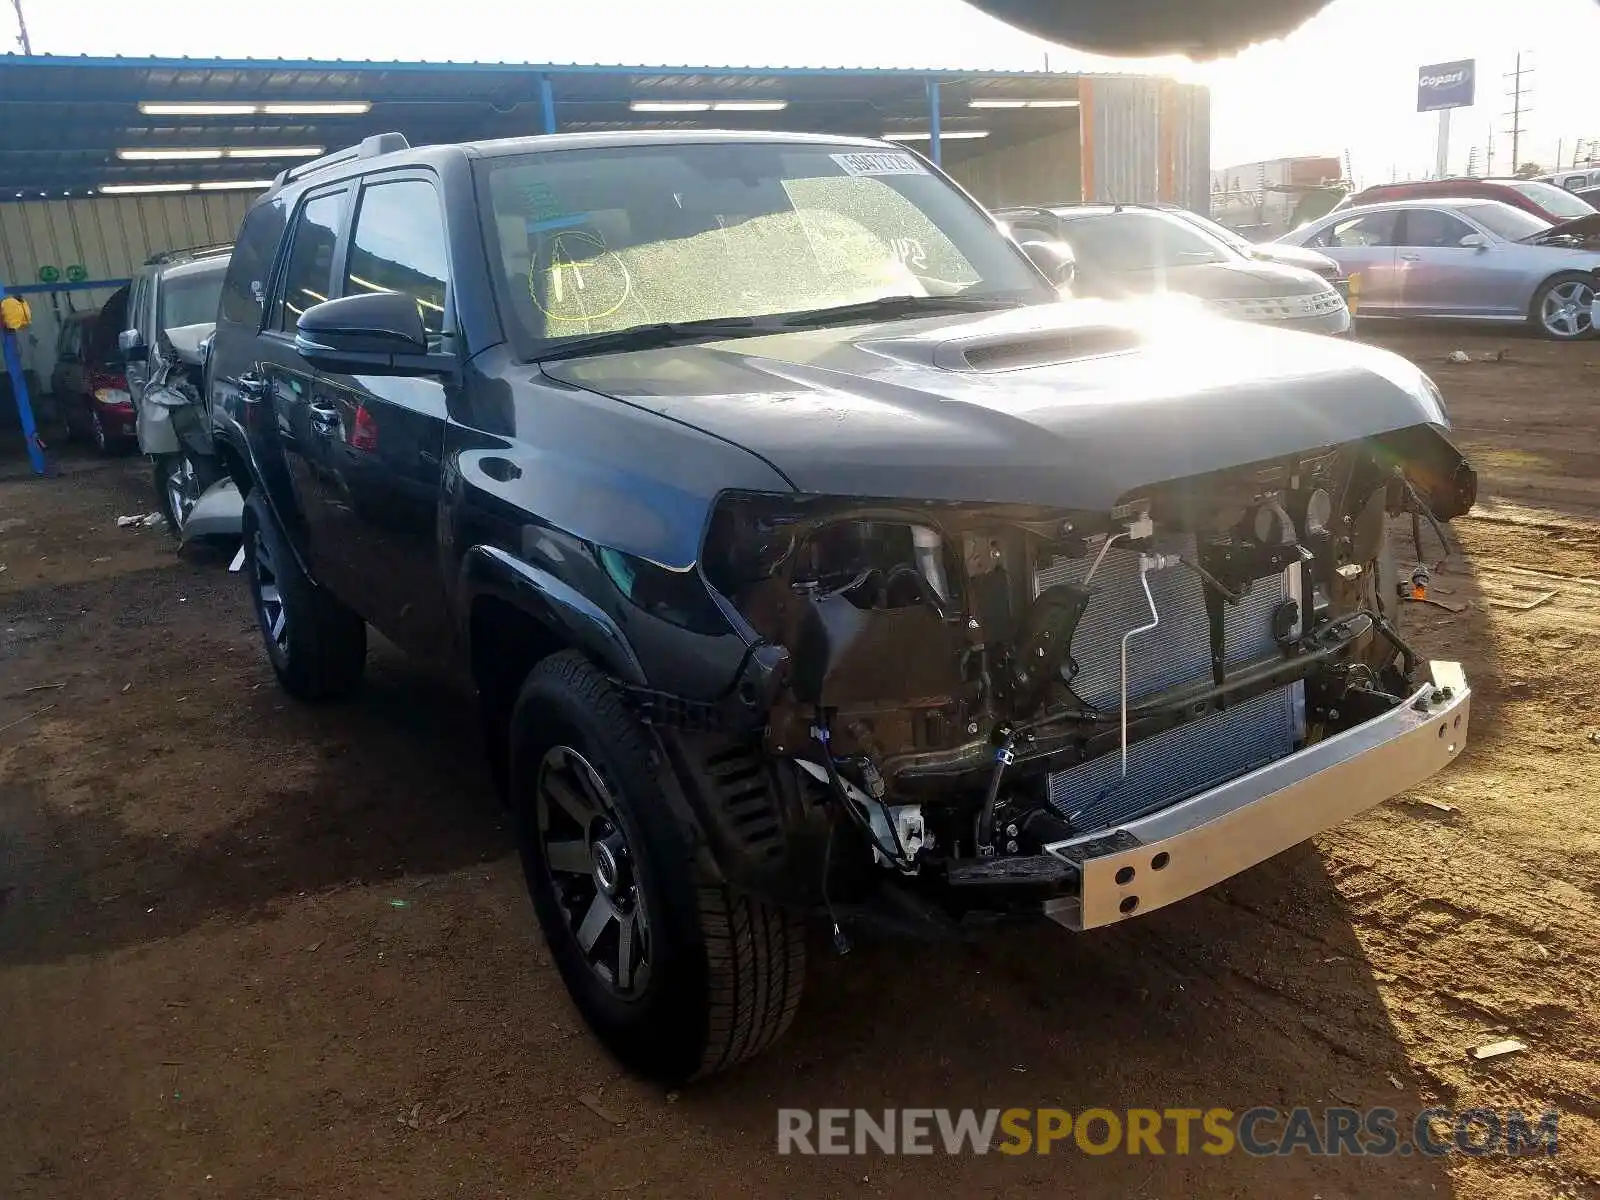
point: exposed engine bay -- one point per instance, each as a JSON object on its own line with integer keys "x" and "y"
{"x": 970, "y": 684}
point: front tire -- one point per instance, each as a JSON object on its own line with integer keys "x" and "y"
{"x": 1563, "y": 307}
{"x": 679, "y": 975}
{"x": 317, "y": 646}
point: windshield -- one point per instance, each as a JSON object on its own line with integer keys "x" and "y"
{"x": 1510, "y": 223}
{"x": 191, "y": 299}
{"x": 1141, "y": 241}
{"x": 597, "y": 240}
{"x": 1556, "y": 201}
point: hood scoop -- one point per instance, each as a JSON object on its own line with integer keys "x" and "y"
{"x": 1043, "y": 348}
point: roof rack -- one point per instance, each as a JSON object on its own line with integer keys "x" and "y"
{"x": 369, "y": 147}
{"x": 167, "y": 256}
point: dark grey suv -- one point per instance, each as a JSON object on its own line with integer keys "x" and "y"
{"x": 809, "y": 557}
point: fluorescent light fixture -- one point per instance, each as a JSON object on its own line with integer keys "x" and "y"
{"x": 946, "y": 135}
{"x": 675, "y": 106}
{"x": 174, "y": 155}
{"x": 272, "y": 151}
{"x": 151, "y": 108}
{"x": 669, "y": 106}
{"x": 333, "y": 108}
{"x": 1022, "y": 104}
{"x": 181, "y": 154}
{"x": 201, "y": 108}
{"x": 235, "y": 185}
{"x": 141, "y": 189}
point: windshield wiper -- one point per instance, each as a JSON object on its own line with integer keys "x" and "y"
{"x": 655, "y": 336}
{"x": 889, "y": 307}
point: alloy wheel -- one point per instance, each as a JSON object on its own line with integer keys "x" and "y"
{"x": 183, "y": 489}
{"x": 1568, "y": 309}
{"x": 274, "y": 614}
{"x": 592, "y": 871}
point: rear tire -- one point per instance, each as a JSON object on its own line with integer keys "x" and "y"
{"x": 317, "y": 646}
{"x": 180, "y": 480}
{"x": 703, "y": 977}
{"x": 1563, "y": 307}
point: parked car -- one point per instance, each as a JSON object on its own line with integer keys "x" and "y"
{"x": 87, "y": 379}
{"x": 1478, "y": 259}
{"x": 1543, "y": 200}
{"x": 1578, "y": 179}
{"x": 1278, "y": 252}
{"x": 794, "y": 533}
{"x": 171, "y": 312}
{"x": 1127, "y": 250}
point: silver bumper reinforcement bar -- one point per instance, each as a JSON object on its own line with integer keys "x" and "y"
{"x": 1189, "y": 846}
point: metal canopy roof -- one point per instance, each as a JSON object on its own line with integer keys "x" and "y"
{"x": 67, "y": 117}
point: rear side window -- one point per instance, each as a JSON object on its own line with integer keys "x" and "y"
{"x": 244, "y": 288}
{"x": 1371, "y": 229}
{"x": 308, "y": 274}
{"x": 398, "y": 246}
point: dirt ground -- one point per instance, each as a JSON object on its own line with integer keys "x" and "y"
{"x": 257, "y": 950}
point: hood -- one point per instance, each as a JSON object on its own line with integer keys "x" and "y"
{"x": 1586, "y": 226}
{"x": 1298, "y": 256}
{"x": 1242, "y": 280}
{"x": 1068, "y": 405}
{"x": 186, "y": 340}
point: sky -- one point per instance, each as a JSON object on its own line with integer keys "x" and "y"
{"x": 1344, "y": 83}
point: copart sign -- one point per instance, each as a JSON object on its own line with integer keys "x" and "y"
{"x": 1446, "y": 85}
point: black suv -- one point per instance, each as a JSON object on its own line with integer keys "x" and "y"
{"x": 809, "y": 556}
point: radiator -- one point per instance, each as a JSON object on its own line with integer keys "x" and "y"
{"x": 1193, "y": 757}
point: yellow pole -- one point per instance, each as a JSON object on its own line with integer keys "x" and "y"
{"x": 1355, "y": 292}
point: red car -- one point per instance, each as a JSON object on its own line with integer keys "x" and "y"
{"x": 1544, "y": 200}
{"x": 89, "y": 383}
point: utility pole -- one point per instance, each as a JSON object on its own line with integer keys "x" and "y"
{"x": 1517, "y": 92}
{"x": 1472, "y": 162}
{"x": 1488, "y": 163}
{"x": 22, "y": 28}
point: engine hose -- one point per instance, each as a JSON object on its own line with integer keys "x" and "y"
{"x": 984, "y": 834}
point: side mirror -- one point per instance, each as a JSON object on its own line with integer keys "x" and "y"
{"x": 1055, "y": 259}
{"x": 130, "y": 345}
{"x": 375, "y": 333}
{"x": 1475, "y": 241}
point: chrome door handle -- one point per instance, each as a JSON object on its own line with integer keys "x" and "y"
{"x": 324, "y": 419}
{"x": 1411, "y": 258}
{"x": 254, "y": 388}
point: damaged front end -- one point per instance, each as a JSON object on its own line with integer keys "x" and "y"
{"x": 984, "y": 705}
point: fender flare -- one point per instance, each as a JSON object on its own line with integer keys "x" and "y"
{"x": 572, "y": 618}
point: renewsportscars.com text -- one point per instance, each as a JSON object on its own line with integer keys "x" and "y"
{"x": 1260, "y": 1132}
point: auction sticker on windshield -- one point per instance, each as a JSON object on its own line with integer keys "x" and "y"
{"x": 878, "y": 162}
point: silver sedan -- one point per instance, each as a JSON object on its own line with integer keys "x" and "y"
{"x": 1477, "y": 259}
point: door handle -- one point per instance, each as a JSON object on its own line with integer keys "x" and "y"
{"x": 253, "y": 388}
{"x": 324, "y": 418}
{"x": 1411, "y": 258}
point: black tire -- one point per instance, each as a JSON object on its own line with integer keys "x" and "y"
{"x": 725, "y": 970}
{"x": 319, "y": 650}
{"x": 1577, "y": 326}
{"x": 203, "y": 472}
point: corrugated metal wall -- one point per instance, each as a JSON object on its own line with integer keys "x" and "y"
{"x": 108, "y": 237}
{"x": 1146, "y": 140}
{"x": 1042, "y": 170}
